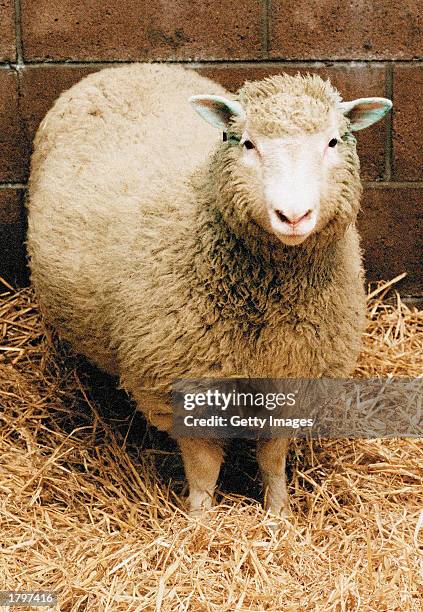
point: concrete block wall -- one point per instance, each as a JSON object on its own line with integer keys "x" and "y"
{"x": 365, "y": 47}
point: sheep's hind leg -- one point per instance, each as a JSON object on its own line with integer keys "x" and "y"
{"x": 271, "y": 457}
{"x": 202, "y": 460}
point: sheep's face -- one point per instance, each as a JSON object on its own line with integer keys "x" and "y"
{"x": 291, "y": 174}
{"x": 290, "y": 150}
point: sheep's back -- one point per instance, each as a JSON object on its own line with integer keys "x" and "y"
{"x": 110, "y": 160}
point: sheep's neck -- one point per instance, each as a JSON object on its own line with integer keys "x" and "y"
{"x": 237, "y": 264}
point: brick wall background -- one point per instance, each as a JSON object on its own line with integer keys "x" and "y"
{"x": 365, "y": 47}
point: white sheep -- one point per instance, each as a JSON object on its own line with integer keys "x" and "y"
{"x": 161, "y": 253}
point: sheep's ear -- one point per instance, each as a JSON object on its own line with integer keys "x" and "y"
{"x": 365, "y": 111}
{"x": 217, "y": 110}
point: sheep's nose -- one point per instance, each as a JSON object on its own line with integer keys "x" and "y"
{"x": 292, "y": 219}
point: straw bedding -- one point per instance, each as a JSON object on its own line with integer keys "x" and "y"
{"x": 91, "y": 503}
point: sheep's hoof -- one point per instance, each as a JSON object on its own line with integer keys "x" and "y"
{"x": 278, "y": 520}
{"x": 199, "y": 510}
{"x": 197, "y": 513}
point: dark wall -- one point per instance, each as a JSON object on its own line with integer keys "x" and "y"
{"x": 366, "y": 48}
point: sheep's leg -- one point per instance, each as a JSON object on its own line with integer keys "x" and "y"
{"x": 271, "y": 457}
{"x": 202, "y": 461}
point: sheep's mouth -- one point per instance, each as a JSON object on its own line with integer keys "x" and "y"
{"x": 292, "y": 239}
{"x": 291, "y": 234}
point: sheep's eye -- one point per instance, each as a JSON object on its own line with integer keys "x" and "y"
{"x": 248, "y": 144}
{"x": 333, "y": 142}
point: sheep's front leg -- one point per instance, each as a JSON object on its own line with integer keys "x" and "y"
{"x": 202, "y": 460}
{"x": 271, "y": 457}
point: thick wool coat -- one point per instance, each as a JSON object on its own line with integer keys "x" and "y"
{"x": 145, "y": 254}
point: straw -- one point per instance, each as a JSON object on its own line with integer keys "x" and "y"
{"x": 92, "y": 504}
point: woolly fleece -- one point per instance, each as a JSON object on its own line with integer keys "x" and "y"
{"x": 143, "y": 246}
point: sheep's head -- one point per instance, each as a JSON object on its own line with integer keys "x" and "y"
{"x": 289, "y": 155}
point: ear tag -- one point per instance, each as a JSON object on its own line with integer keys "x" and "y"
{"x": 348, "y": 137}
{"x": 231, "y": 138}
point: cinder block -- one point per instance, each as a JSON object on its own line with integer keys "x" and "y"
{"x": 7, "y": 31}
{"x": 335, "y": 29}
{"x": 391, "y": 224}
{"x": 408, "y": 122}
{"x": 13, "y": 143}
{"x": 108, "y": 30}
{"x": 12, "y": 234}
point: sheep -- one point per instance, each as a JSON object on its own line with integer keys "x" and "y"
{"x": 162, "y": 250}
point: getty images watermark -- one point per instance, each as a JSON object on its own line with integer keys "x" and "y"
{"x": 227, "y": 402}
{"x": 330, "y": 408}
